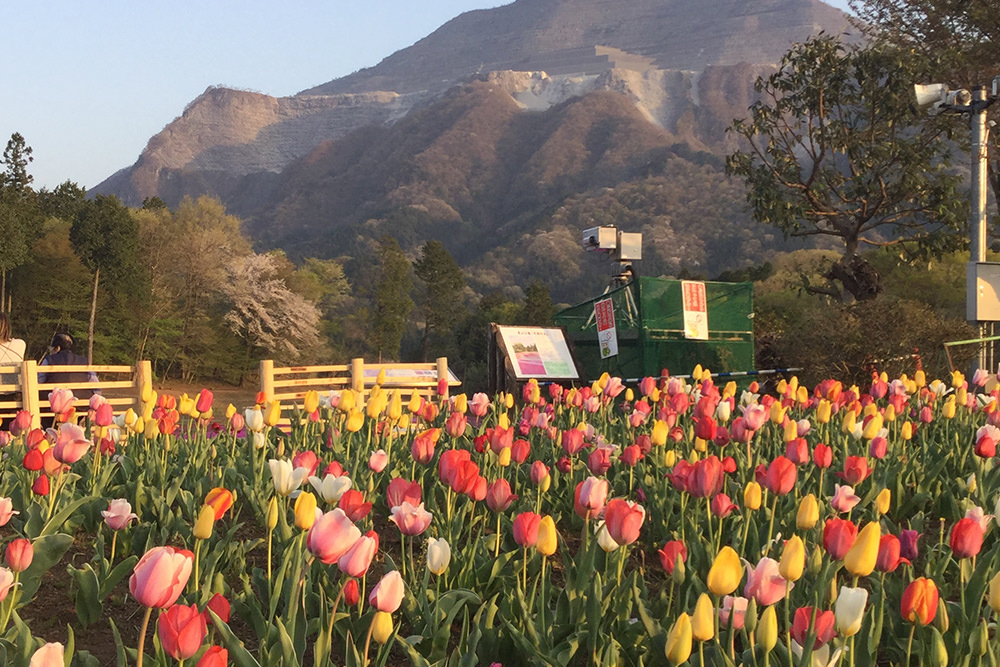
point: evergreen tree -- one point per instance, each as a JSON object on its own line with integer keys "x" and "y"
{"x": 392, "y": 304}
{"x": 538, "y": 309}
{"x": 443, "y": 282}
{"x": 19, "y": 215}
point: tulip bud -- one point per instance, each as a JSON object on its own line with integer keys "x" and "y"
{"x": 271, "y": 518}
{"x": 548, "y": 539}
{"x": 793, "y": 559}
{"x": 906, "y": 432}
{"x": 750, "y": 615}
{"x": 767, "y": 630}
{"x": 860, "y": 558}
{"x": 939, "y": 653}
{"x": 941, "y": 620}
{"x": 725, "y": 574}
{"x": 752, "y": 496}
{"x": 206, "y": 520}
{"x": 980, "y": 639}
{"x": 305, "y": 510}
{"x": 993, "y": 596}
{"x": 679, "y": 573}
{"x": 678, "y": 648}
{"x": 808, "y": 514}
{"x": 703, "y": 620}
{"x": 382, "y": 626}
{"x": 438, "y": 555}
{"x": 816, "y": 561}
{"x": 504, "y": 457}
{"x": 883, "y": 500}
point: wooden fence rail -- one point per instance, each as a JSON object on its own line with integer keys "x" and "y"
{"x": 122, "y": 386}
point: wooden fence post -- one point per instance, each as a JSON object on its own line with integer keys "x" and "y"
{"x": 29, "y": 392}
{"x": 267, "y": 379}
{"x": 442, "y": 374}
{"x": 358, "y": 375}
{"x": 144, "y": 380}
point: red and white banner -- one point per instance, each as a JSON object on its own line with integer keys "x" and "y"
{"x": 695, "y": 310}
{"x": 607, "y": 336}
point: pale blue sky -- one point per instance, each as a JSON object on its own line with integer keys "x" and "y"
{"x": 88, "y": 84}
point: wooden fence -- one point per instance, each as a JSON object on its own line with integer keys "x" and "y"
{"x": 289, "y": 384}
{"x": 122, "y": 386}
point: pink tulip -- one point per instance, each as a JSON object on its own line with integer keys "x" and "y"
{"x": 61, "y": 400}
{"x": 844, "y": 499}
{"x": 539, "y": 471}
{"x": 590, "y": 496}
{"x": 411, "y": 519}
{"x": 358, "y": 558}
{"x": 572, "y": 441}
{"x": 388, "y": 592}
{"x": 119, "y": 514}
{"x": 307, "y": 459}
{"x": 623, "y": 519}
{"x": 71, "y": 444}
{"x": 378, "y": 460}
{"x": 19, "y": 554}
{"x": 722, "y": 505}
{"x": 735, "y": 607}
{"x": 105, "y": 414}
{"x": 765, "y": 584}
{"x": 21, "y": 423}
{"x": 499, "y": 496}
{"x": 401, "y": 490}
{"x": 7, "y": 511}
{"x": 754, "y": 416}
{"x": 50, "y": 655}
{"x": 525, "y": 529}
{"x": 455, "y": 426}
{"x": 6, "y": 582}
{"x": 331, "y": 536}
{"x": 160, "y": 576}
{"x": 479, "y": 405}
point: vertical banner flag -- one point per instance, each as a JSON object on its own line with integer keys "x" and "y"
{"x": 695, "y": 310}
{"x": 607, "y": 337}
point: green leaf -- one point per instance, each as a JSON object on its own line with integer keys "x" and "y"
{"x": 88, "y": 600}
{"x": 49, "y": 549}
{"x": 237, "y": 651}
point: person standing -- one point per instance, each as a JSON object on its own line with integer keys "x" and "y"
{"x": 11, "y": 352}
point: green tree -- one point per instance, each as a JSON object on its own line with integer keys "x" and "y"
{"x": 19, "y": 216}
{"x": 64, "y": 202}
{"x": 392, "y": 303}
{"x": 538, "y": 309}
{"x": 16, "y": 158}
{"x": 834, "y": 152}
{"x": 441, "y": 294}
{"x": 106, "y": 239}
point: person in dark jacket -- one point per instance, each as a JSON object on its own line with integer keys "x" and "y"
{"x": 61, "y": 354}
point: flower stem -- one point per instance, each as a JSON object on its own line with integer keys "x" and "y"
{"x": 142, "y": 636}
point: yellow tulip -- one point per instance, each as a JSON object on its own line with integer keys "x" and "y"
{"x": 777, "y": 412}
{"x": 654, "y": 396}
{"x": 660, "y": 433}
{"x": 725, "y": 573}
{"x": 395, "y": 405}
{"x": 670, "y": 458}
{"x": 347, "y": 401}
{"x": 802, "y": 396}
{"x": 890, "y": 413}
{"x": 376, "y": 404}
{"x": 848, "y": 422}
{"x": 872, "y": 427}
{"x": 461, "y": 404}
{"x": 305, "y": 510}
{"x": 752, "y": 496}
{"x": 130, "y": 417}
{"x": 730, "y": 389}
{"x": 678, "y": 647}
{"x": 948, "y": 409}
{"x": 629, "y": 395}
{"x": 823, "y": 411}
{"x": 697, "y": 373}
{"x": 793, "y": 559}
{"x": 906, "y": 432}
{"x": 548, "y": 538}
{"x": 185, "y": 405}
{"x": 206, "y": 520}
{"x": 782, "y": 387}
{"x": 961, "y": 396}
{"x": 703, "y": 619}
{"x": 139, "y": 425}
{"x": 271, "y": 518}
{"x": 311, "y": 401}
{"x": 883, "y": 501}
{"x": 230, "y": 411}
{"x": 503, "y": 421}
{"x": 957, "y": 379}
{"x": 355, "y": 420}
{"x": 148, "y": 395}
{"x": 380, "y": 378}
{"x": 381, "y": 626}
{"x": 273, "y": 414}
{"x": 509, "y": 401}
{"x": 700, "y": 445}
{"x": 152, "y": 427}
{"x": 767, "y": 629}
{"x": 147, "y": 410}
{"x": 993, "y": 596}
{"x": 860, "y": 558}
{"x": 504, "y": 457}
{"x": 808, "y": 514}
{"x": 791, "y": 430}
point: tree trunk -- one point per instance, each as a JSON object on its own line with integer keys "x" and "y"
{"x": 859, "y": 278}
{"x": 93, "y": 316}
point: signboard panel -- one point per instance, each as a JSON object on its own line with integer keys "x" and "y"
{"x": 607, "y": 335}
{"x": 695, "y": 310}
{"x": 537, "y": 352}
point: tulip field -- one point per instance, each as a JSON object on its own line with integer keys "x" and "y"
{"x": 676, "y": 521}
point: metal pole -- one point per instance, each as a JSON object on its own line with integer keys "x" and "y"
{"x": 977, "y": 219}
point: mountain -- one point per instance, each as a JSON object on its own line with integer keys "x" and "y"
{"x": 503, "y": 131}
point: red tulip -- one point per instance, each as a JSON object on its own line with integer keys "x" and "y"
{"x": 32, "y": 460}
{"x": 631, "y": 455}
{"x": 215, "y": 656}
{"x": 705, "y": 428}
{"x": 855, "y": 470}
{"x": 354, "y": 505}
{"x": 888, "y": 554}
{"x": 669, "y": 554}
{"x": 966, "y": 538}
{"x": 40, "y": 487}
{"x": 499, "y": 496}
{"x": 422, "y": 448}
{"x": 781, "y": 475}
{"x": 220, "y": 605}
{"x": 722, "y": 505}
{"x": 19, "y": 554}
{"x": 307, "y": 459}
{"x": 838, "y": 537}
{"x": 160, "y": 576}
{"x": 599, "y": 461}
{"x": 822, "y": 456}
{"x": 351, "y": 593}
{"x": 520, "y": 451}
{"x": 539, "y": 471}
{"x": 182, "y": 630}
{"x": 572, "y": 441}
{"x": 797, "y": 451}
{"x": 920, "y": 601}
{"x": 823, "y": 625}
{"x": 680, "y": 474}
{"x": 623, "y": 519}
{"x": 706, "y": 477}
{"x": 526, "y": 529}
{"x": 401, "y": 490}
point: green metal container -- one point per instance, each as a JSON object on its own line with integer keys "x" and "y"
{"x": 649, "y": 320}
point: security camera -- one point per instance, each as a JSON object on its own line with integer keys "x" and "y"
{"x": 935, "y": 98}
{"x": 957, "y": 98}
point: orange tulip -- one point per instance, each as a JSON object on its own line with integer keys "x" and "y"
{"x": 920, "y": 601}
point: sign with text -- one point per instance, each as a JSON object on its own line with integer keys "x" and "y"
{"x": 607, "y": 336}
{"x": 537, "y": 352}
{"x": 695, "y": 310}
